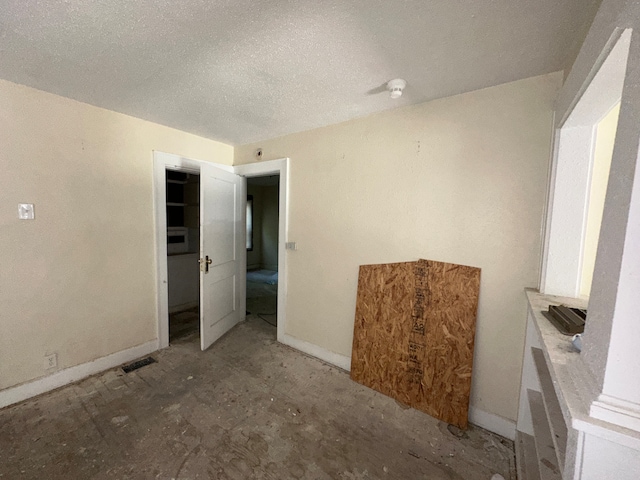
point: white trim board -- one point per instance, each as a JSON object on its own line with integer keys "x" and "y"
{"x": 12, "y": 395}
{"x": 162, "y": 161}
{"x": 318, "y": 352}
{"x": 567, "y": 205}
{"x": 494, "y": 423}
{"x": 614, "y": 410}
{"x": 70, "y": 375}
{"x": 274, "y": 167}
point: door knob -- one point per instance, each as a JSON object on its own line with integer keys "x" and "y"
{"x": 204, "y": 264}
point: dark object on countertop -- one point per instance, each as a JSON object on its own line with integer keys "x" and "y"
{"x": 568, "y": 321}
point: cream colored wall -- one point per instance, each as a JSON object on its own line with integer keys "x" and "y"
{"x": 603, "y": 153}
{"x": 80, "y": 279}
{"x": 461, "y": 180}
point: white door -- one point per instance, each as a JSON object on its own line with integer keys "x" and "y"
{"x": 222, "y": 248}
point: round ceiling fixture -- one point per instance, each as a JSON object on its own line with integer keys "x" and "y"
{"x": 395, "y": 87}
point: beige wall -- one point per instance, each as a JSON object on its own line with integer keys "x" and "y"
{"x": 460, "y": 180}
{"x": 80, "y": 279}
{"x": 603, "y": 153}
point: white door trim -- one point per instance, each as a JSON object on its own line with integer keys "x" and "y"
{"x": 162, "y": 161}
{"x": 274, "y": 167}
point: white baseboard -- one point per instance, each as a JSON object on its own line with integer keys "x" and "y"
{"x": 488, "y": 421}
{"x": 9, "y": 396}
{"x": 328, "y": 356}
{"x": 184, "y": 306}
{"x": 64, "y": 377}
{"x": 494, "y": 423}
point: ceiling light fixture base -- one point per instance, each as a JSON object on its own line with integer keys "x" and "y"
{"x": 395, "y": 87}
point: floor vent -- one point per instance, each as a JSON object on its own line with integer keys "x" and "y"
{"x": 138, "y": 364}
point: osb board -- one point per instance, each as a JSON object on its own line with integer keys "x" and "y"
{"x": 414, "y": 333}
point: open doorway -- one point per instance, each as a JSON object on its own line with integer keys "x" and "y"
{"x": 222, "y": 244}
{"x": 263, "y": 221}
{"x": 183, "y": 247}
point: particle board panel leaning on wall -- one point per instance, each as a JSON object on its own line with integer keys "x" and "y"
{"x": 363, "y": 193}
{"x": 414, "y": 334}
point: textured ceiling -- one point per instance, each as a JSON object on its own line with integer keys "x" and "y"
{"x": 242, "y": 71}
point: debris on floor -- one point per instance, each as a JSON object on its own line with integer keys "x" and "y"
{"x": 223, "y": 423}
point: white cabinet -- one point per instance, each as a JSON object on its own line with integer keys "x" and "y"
{"x": 555, "y": 437}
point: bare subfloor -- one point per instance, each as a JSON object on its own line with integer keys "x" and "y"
{"x": 246, "y": 408}
{"x": 184, "y": 323}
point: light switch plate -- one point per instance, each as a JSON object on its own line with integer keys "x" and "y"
{"x": 291, "y": 246}
{"x": 25, "y": 211}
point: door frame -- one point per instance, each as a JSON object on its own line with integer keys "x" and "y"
{"x": 260, "y": 169}
{"x": 161, "y": 162}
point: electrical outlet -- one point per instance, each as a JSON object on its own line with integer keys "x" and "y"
{"x": 51, "y": 361}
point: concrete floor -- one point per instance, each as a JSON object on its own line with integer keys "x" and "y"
{"x": 262, "y": 300}
{"x": 248, "y": 408}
